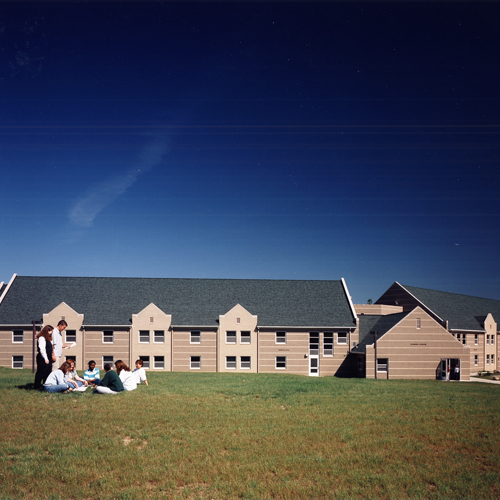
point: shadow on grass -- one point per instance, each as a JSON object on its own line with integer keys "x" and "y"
{"x": 27, "y": 387}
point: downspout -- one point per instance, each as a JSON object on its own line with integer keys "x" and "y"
{"x": 33, "y": 356}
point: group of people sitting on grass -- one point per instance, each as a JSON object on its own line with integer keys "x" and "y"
{"x": 66, "y": 379}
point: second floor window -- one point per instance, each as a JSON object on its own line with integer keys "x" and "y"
{"x": 281, "y": 337}
{"x": 195, "y": 337}
{"x": 108, "y": 336}
{"x": 230, "y": 337}
{"x": 18, "y": 336}
{"x": 144, "y": 336}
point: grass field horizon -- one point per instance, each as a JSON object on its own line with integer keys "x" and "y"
{"x": 251, "y": 436}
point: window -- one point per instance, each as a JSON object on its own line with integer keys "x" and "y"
{"x": 245, "y": 362}
{"x": 108, "y": 359}
{"x": 195, "y": 337}
{"x": 18, "y": 336}
{"x": 382, "y": 364}
{"x": 230, "y": 362}
{"x": 464, "y": 339}
{"x": 328, "y": 344}
{"x": 159, "y": 337}
{"x": 195, "y": 362}
{"x": 493, "y": 340}
{"x": 487, "y": 340}
{"x": 476, "y": 360}
{"x": 245, "y": 338}
{"x": 476, "y": 339}
{"x": 17, "y": 361}
{"x": 144, "y": 336}
{"x": 360, "y": 364}
{"x": 72, "y": 358}
{"x": 108, "y": 336}
{"x": 70, "y": 335}
{"x": 281, "y": 362}
{"x": 487, "y": 359}
{"x": 280, "y": 337}
{"x": 159, "y": 362}
{"x": 145, "y": 361}
{"x": 418, "y": 323}
{"x": 230, "y": 337}
{"x": 314, "y": 343}
{"x": 342, "y": 338}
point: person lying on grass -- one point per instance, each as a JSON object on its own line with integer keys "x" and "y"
{"x": 76, "y": 382}
{"x": 126, "y": 376}
{"x": 92, "y": 375}
{"x": 140, "y": 373}
{"x": 56, "y": 380}
{"x": 111, "y": 383}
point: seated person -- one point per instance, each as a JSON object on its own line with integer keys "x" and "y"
{"x": 56, "y": 380}
{"x": 126, "y": 376}
{"x": 92, "y": 375}
{"x": 76, "y": 382}
{"x": 139, "y": 372}
{"x": 111, "y": 383}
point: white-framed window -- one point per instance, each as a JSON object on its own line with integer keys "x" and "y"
{"x": 72, "y": 358}
{"x": 245, "y": 337}
{"x": 464, "y": 339}
{"x": 418, "y": 323}
{"x": 328, "y": 344}
{"x": 245, "y": 362}
{"x": 159, "y": 362}
{"x": 476, "y": 360}
{"x": 280, "y": 337}
{"x": 493, "y": 339}
{"x": 195, "y": 337}
{"x": 18, "y": 336}
{"x": 108, "y": 359}
{"x": 280, "y": 362}
{"x": 70, "y": 335}
{"x": 144, "y": 336}
{"x": 230, "y": 362}
{"x": 231, "y": 337}
{"x": 342, "y": 338}
{"x": 159, "y": 336}
{"x": 195, "y": 362}
{"x": 487, "y": 359}
{"x": 17, "y": 361}
{"x": 382, "y": 365}
{"x": 487, "y": 340}
{"x": 108, "y": 336}
{"x": 145, "y": 361}
{"x": 476, "y": 339}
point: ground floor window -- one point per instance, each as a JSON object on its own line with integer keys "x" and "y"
{"x": 145, "y": 361}
{"x": 281, "y": 362}
{"x": 245, "y": 362}
{"x": 230, "y": 362}
{"x": 159, "y": 362}
{"x": 195, "y": 362}
{"x": 487, "y": 359}
{"x": 108, "y": 359}
{"x": 17, "y": 361}
{"x": 476, "y": 360}
{"x": 72, "y": 358}
{"x": 382, "y": 364}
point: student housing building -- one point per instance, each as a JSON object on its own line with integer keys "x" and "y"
{"x": 305, "y": 327}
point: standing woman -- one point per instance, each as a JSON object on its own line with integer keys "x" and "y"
{"x": 44, "y": 357}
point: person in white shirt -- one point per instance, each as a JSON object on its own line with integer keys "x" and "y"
{"x": 126, "y": 376}
{"x": 57, "y": 342}
{"x": 140, "y": 373}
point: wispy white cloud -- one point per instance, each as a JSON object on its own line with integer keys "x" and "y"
{"x": 88, "y": 207}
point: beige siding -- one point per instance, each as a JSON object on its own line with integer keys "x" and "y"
{"x": 8, "y": 348}
{"x": 414, "y": 352}
{"x": 183, "y": 350}
{"x": 95, "y": 348}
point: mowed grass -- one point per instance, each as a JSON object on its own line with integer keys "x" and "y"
{"x": 254, "y": 436}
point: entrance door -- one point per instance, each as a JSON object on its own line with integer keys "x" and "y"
{"x": 449, "y": 369}
{"x": 314, "y": 354}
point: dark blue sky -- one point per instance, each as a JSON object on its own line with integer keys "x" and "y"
{"x": 294, "y": 140}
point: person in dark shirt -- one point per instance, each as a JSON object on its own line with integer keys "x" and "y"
{"x": 111, "y": 383}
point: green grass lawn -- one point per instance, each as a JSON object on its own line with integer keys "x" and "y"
{"x": 255, "y": 436}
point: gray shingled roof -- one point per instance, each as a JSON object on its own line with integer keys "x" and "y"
{"x": 112, "y": 301}
{"x": 463, "y": 312}
{"x": 376, "y": 323}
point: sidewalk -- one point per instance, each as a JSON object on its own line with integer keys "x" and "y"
{"x": 474, "y": 379}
